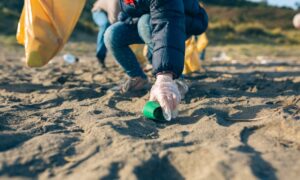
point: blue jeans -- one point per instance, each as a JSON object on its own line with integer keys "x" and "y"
{"x": 145, "y": 29}
{"x": 101, "y": 19}
{"x": 118, "y": 38}
{"x": 203, "y": 54}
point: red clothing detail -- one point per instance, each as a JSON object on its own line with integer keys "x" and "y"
{"x": 130, "y": 2}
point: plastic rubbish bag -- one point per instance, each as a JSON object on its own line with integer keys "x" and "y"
{"x": 45, "y": 26}
{"x": 193, "y": 48}
{"x": 138, "y": 51}
{"x": 191, "y": 60}
{"x": 202, "y": 42}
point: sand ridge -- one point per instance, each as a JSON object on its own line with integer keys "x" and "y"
{"x": 238, "y": 121}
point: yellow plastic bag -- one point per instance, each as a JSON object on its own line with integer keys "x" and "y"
{"x": 138, "y": 50}
{"x": 45, "y": 26}
{"x": 193, "y": 49}
{"x": 192, "y": 60}
{"x": 202, "y": 42}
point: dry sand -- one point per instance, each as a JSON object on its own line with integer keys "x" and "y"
{"x": 239, "y": 121}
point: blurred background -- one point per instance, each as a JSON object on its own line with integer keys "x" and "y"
{"x": 247, "y": 23}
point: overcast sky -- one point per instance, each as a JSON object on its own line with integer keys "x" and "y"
{"x": 290, "y": 3}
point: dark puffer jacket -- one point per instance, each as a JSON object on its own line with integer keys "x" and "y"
{"x": 172, "y": 21}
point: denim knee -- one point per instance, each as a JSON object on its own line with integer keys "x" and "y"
{"x": 111, "y": 37}
{"x": 144, "y": 27}
{"x": 114, "y": 36}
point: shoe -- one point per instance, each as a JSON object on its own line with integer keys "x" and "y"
{"x": 132, "y": 84}
{"x": 102, "y": 63}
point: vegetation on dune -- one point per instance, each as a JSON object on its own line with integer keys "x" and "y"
{"x": 252, "y": 24}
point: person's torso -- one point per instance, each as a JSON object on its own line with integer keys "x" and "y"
{"x": 141, "y": 7}
{"x": 196, "y": 18}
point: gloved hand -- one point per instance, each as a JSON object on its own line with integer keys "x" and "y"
{"x": 165, "y": 92}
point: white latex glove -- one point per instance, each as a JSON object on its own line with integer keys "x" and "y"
{"x": 166, "y": 93}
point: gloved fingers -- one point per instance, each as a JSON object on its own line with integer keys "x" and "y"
{"x": 152, "y": 96}
{"x": 167, "y": 112}
{"x": 171, "y": 101}
{"x": 168, "y": 95}
{"x": 175, "y": 100}
{"x": 163, "y": 100}
{"x": 174, "y": 114}
{"x": 168, "y": 105}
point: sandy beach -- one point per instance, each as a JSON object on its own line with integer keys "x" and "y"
{"x": 240, "y": 120}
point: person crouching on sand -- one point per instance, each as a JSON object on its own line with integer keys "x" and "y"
{"x": 172, "y": 21}
{"x": 105, "y": 13}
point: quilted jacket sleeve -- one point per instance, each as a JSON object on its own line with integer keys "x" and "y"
{"x": 168, "y": 35}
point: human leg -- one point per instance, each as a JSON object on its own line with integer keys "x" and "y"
{"x": 101, "y": 19}
{"x": 117, "y": 39}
